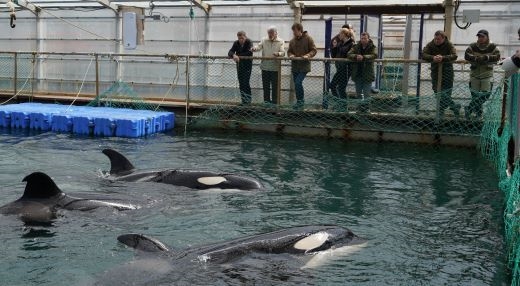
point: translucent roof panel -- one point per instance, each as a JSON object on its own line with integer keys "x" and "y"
{"x": 371, "y": 7}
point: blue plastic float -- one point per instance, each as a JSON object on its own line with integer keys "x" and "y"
{"x": 86, "y": 120}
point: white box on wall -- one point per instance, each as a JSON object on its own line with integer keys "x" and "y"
{"x": 129, "y": 30}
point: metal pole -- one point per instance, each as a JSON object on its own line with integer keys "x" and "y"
{"x": 15, "y": 77}
{"x": 438, "y": 93}
{"x": 406, "y": 52}
{"x": 379, "y": 52}
{"x": 326, "y": 74}
{"x": 33, "y": 71}
{"x": 418, "y": 90}
{"x": 279, "y": 85}
{"x": 97, "y": 77}
{"x": 187, "y": 84}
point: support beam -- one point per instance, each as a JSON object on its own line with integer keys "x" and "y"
{"x": 108, "y": 4}
{"x": 27, "y": 5}
{"x": 200, "y": 4}
{"x": 297, "y": 10}
{"x": 448, "y": 17}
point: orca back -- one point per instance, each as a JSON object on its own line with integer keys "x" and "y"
{"x": 119, "y": 164}
{"x": 39, "y": 186}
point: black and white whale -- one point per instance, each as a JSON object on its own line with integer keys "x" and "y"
{"x": 42, "y": 199}
{"x": 315, "y": 242}
{"x": 122, "y": 170}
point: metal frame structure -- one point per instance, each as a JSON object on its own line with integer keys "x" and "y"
{"x": 36, "y": 5}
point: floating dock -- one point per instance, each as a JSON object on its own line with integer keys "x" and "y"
{"x": 85, "y": 120}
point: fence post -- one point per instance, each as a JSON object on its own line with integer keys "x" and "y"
{"x": 438, "y": 94}
{"x": 97, "y": 77}
{"x": 187, "y": 84}
{"x": 32, "y": 76}
{"x": 15, "y": 76}
{"x": 279, "y": 83}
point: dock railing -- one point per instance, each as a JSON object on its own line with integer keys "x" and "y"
{"x": 401, "y": 99}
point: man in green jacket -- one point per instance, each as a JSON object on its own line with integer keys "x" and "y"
{"x": 482, "y": 55}
{"x": 363, "y": 55}
{"x": 440, "y": 51}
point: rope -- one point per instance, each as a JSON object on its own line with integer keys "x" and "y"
{"x": 174, "y": 82}
{"x": 23, "y": 86}
{"x": 81, "y": 86}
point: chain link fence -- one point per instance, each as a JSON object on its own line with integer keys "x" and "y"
{"x": 399, "y": 95}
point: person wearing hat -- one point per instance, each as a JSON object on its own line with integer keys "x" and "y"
{"x": 440, "y": 51}
{"x": 482, "y": 55}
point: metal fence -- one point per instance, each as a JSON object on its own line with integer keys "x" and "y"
{"x": 400, "y": 88}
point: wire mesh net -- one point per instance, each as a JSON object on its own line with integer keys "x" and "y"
{"x": 497, "y": 144}
{"x": 122, "y": 95}
{"x": 400, "y": 96}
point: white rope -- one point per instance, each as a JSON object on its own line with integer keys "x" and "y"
{"x": 81, "y": 86}
{"x": 172, "y": 85}
{"x": 23, "y": 86}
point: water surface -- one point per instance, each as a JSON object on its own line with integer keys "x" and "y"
{"x": 432, "y": 216}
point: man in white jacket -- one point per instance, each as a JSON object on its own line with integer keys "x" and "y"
{"x": 271, "y": 46}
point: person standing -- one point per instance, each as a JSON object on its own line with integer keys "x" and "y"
{"x": 340, "y": 48}
{"x": 482, "y": 55}
{"x": 301, "y": 46}
{"x": 271, "y": 46}
{"x": 363, "y": 55}
{"x": 242, "y": 48}
{"x": 440, "y": 51}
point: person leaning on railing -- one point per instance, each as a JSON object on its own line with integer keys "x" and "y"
{"x": 482, "y": 55}
{"x": 440, "y": 51}
{"x": 242, "y": 48}
{"x": 363, "y": 55}
{"x": 301, "y": 46}
{"x": 341, "y": 45}
{"x": 271, "y": 46}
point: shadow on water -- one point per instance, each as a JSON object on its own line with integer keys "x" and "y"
{"x": 38, "y": 239}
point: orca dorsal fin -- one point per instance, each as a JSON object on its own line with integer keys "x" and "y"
{"x": 119, "y": 164}
{"x": 39, "y": 186}
{"x": 142, "y": 242}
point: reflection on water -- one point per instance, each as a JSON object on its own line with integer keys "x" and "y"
{"x": 31, "y": 232}
{"x": 432, "y": 216}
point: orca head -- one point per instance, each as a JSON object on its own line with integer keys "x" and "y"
{"x": 39, "y": 186}
{"x": 142, "y": 242}
{"x": 119, "y": 164}
{"x": 326, "y": 238}
{"x": 240, "y": 182}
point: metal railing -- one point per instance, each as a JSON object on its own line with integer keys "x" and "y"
{"x": 402, "y": 86}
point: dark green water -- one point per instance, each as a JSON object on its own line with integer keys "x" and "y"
{"x": 432, "y": 216}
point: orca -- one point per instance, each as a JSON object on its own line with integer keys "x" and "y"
{"x": 315, "y": 242}
{"x": 122, "y": 170}
{"x": 42, "y": 198}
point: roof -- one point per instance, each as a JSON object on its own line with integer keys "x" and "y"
{"x": 370, "y": 7}
{"x": 205, "y": 5}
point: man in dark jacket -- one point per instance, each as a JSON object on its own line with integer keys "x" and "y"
{"x": 242, "y": 48}
{"x": 363, "y": 55}
{"x": 301, "y": 46}
{"x": 340, "y": 47}
{"x": 482, "y": 55}
{"x": 441, "y": 52}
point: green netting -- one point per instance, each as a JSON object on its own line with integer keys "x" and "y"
{"x": 497, "y": 145}
{"x": 122, "y": 95}
{"x": 402, "y": 98}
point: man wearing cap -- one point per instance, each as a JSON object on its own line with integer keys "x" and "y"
{"x": 482, "y": 55}
{"x": 440, "y": 51}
